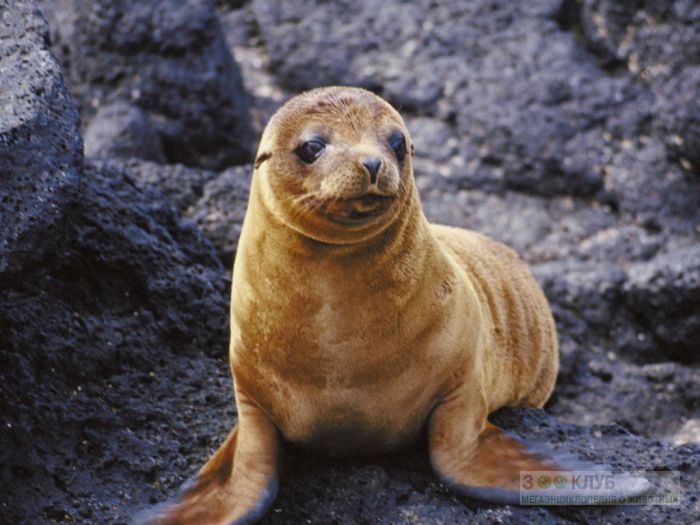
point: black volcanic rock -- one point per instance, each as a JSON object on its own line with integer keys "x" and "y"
{"x": 40, "y": 143}
{"x": 104, "y": 289}
{"x": 181, "y": 184}
{"x": 400, "y": 489}
{"x": 220, "y": 210}
{"x": 678, "y": 108}
{"x": 658, "y": 43}
{"x": 665, "y": 294}
{"x": 618, "y": 322}
{"x": 653, "y": 39}
{"x": 124, "y": 131}
{"x": 168, "y": 58}
{"x": 215, "y": 201}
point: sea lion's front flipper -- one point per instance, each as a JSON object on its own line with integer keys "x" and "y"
{"x": 236, "y": 485}
{"x": 482, "y": 461}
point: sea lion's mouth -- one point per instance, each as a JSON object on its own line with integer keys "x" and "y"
{"x": 358, "y": 210}
{"x": 370, "y": 200}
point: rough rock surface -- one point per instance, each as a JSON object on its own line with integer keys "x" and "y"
{"x": 122, "y": 130}
{"x": 567, "y": 128}
{"x": 168, "y": 58}
{"x": 215, "y": 201}
{"x": 220, "y": 210}
{"x": 105, "y": 293}
{"x": 182, "y": 185}
{"x": 400, "y": 489}
{"x": 40, "y": 144}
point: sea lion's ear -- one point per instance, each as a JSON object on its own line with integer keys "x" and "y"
{"x": 413, "y": 150}
{"x": 261, "y": 158}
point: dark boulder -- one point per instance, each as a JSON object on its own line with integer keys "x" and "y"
{"x": 648, "y": 311}
{"x": 168, "y": 58}
{"x": 652, "y": 39}
{"x": 122, "y": 130}
{"x": 658, "y": 43}
{"x": 620, "y": 325}
{"x": 105, "y": 293}
{"x": 215, "y": 201}
{"x": 181, "y": 184}
{"x": 678, "y": 107}
{"x": 40, "y": 143}
{"x": 220, "y": 210}
{"x": 664, "y": 294}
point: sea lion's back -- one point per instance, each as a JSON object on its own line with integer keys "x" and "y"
{"x": 523, "y": 331}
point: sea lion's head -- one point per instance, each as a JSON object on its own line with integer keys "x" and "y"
{"x": 335, "y": 165}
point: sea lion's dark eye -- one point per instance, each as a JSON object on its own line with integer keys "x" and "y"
{"x": 310, "y": 150}
{"x": 398, "y": 143}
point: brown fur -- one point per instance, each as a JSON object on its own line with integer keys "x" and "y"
{"x": 349, "y": 336}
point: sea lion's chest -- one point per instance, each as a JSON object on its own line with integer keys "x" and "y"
{"x": 343, "y": 369}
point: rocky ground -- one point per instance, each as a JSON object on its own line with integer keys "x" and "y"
{"x": 569, "y": 129}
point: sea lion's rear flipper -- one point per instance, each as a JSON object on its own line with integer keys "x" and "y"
{"x": 236, "y": 485}
{"x": 487, "y": 465}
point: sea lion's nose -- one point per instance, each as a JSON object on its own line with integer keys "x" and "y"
{"x": 372, "y": 164}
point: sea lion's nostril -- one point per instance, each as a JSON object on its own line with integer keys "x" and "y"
{"x": 372, "y": 165}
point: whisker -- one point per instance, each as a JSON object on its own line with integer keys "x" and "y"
{"x": 304, "y": 205}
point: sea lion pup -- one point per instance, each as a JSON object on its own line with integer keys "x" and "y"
{"x": 355, "y": 323}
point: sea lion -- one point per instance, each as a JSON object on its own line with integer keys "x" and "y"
{"x": 356, "y": 324}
